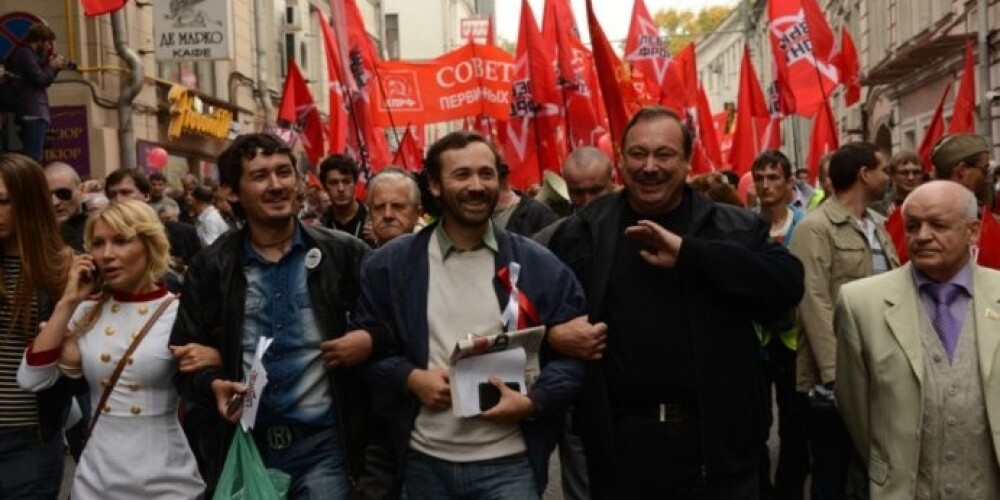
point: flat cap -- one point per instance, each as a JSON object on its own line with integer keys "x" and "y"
{"x": 951, "y": 149}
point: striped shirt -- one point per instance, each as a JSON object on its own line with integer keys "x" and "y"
{"x": 17, "y": 407}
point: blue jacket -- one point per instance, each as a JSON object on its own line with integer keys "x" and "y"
{"x": 394, "y": 282}
{"x": 36, "y": 76}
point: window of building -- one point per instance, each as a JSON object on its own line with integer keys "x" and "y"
{"x": 392, "y": 35}
{"x": 289, "y": 52}
{"x": 198, "y": 75}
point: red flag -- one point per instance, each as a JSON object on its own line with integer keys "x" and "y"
{"x": 935, "y": 130}
{"x": 752, "y": 118}
{"x": 534, "y": 107}
{"x": 686, "y": 65}
{"x": 989, "y": 242}
{"x": 847, "y": 64}
{"x": 408, "y": 155}
{"x": 339, "y": 120}
{"x": 647, "y": 51}
{"x": 801, "y": 44}
{"x": 490, "y": 35}
{"x": 823, "y": 139}
{"x": 897, "y": 233}
{"x": 963, "y": 115}
{"x": 299, "y": 109}
{"x": 97, "y": 7}
{"x": 708, "y": 140}
{"x": 620, "y": 100}
{"x": 358, "y": 57}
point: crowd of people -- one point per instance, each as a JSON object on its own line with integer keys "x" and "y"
{"x": 677, "y": 312}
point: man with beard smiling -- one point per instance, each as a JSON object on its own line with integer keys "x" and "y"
{"x": 434, "y": 288}
{"x": 671, "y": 409}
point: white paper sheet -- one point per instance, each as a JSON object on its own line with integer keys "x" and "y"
{"x": 256, "y": 381}
{"x": 468, "y": 373}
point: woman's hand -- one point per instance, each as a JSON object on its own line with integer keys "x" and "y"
{"x": 82, "y": 280}
{"x": 193, "y": 357}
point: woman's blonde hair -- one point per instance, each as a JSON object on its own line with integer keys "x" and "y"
{"x": 135, "y": 219}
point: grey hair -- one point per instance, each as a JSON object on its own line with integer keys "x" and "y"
{"x": 395, "y": 174}
{"x": 65, "y": 168}
{"x": 587, "y": 156}
{"x": 168, "y": 203}
{"x": 970, "y": 205}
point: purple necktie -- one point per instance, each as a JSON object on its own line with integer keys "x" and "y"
{"x": 945, "y": 323}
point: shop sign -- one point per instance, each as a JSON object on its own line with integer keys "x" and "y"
{"x": 187, "y": 116}
{"x": 193, "y": 31}
{"x": 67, "y": 140}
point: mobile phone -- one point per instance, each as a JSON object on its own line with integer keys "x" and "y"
{"x": 235, "y": 403}
{"x": 489, "y": 395}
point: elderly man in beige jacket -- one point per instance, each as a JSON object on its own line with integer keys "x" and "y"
{"x": 839, "y": 242}
{"x": 917, "y": 368}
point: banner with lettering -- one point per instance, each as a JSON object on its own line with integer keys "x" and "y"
{"x": 801, "y": 43}
{"x": 469, "y": 81}
{"x": 68, "y": 138}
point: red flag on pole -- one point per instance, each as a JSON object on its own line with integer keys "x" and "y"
{"x": 801, "y": 43}
{"x": 963, "y": 115}
{"x": 752, "y": 118}
{"x": 823, "y": 140}
{"x": 534, "y": 107}
{"x": 847, "y": 64}
{"x": 708, "y": 140}
{"x": 620, "y": 100}
{"x": 339, "y": 120}
{"x": 298, "y": 108}
{"x": 98, "y": 7}
{"x": 408, "y": 155}
{"x": 897, "y": 233}
{"x": 686, "y": 66}
{"x": 647, "y": 51}
{"x": 935, "y": 130}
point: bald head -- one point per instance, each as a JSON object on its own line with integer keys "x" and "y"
{"x": 587, "y": 172}
{"x": 64, "y": 189}
{"x": 941, "y": 223}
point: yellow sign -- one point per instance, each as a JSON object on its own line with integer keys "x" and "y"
{"x": 184, "y": 117}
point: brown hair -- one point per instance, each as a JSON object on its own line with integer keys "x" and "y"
{"x": 715, "y": 186}
{"x": 44, "y": 258}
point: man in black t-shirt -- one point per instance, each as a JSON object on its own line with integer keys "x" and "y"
{"x": 671, "y": 408}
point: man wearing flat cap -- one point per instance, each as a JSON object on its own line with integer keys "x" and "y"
{"x": 965, "y": 159}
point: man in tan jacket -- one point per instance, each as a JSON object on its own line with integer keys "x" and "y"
{"x": 917, "y": 363}
{"x": 840, "y": 241}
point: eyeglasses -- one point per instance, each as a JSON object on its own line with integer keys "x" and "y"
{"x": 64, "y": 194}
{"x": 909, "y": 173}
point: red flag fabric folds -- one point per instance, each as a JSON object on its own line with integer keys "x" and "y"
{"x": 801, "y": 44}
{"x": 963, "y": 115}
{"x": 823, "y": 140}
{"x": 647, "y": 52}
{"x": 989, "y": 242}
{"x": 408, "y": 155}
{"x": 620, "y": 99}
{"x": 339, "y": 120}
{"x": 752, "y": 118}
{"x": 897, "y": 233}
{"x": 298, "y": 108}
{"x": 935, "y": 130}
{"x": 850, "y": 72}
{"x": 99, "y": 7}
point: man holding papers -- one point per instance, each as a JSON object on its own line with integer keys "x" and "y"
{"x": 456, "y": 280}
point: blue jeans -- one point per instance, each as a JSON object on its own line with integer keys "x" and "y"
{"x": 429, "y": 478}
{"x": 32, "y": 133}
{"x": 315, "y": 463}
{"x": 29, "y": 469}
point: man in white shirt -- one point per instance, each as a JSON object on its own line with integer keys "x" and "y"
{"x": 208, "y": 221}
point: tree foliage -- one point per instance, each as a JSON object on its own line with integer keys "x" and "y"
{"x": 683, "y": 26}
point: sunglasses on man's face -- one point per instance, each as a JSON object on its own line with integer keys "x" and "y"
{"x": 64, "y": 194}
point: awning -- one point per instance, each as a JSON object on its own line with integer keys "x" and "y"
{"x": 918, "y": 55}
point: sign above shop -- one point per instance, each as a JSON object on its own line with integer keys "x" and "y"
{"x": 193, "y": 31}
{"x": 189, "y": 114}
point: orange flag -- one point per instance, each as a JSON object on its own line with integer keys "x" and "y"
{"x": 963, "y": 116}
{"x": 935, "y": 130}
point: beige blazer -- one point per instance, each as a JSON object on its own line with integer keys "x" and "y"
{"x": 880, "y": 371}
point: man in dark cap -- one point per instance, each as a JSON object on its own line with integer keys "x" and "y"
{"x": 965, "y": 159}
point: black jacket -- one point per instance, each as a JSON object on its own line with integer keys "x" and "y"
{"x": 211, "y": 313}
{"x": 184, "y": 241}
{"x": 732, "y": 275}
{"x": 530, "y": 216}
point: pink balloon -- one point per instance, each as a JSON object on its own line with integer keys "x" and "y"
{"x": 157, "y": 158}
{"x": 746, "y": 182}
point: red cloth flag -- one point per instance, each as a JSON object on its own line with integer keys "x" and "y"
{"x": 647, "y": 52}
{"x": 963, "y": 115}
{"x": 847, "y": 64}
{"x": 339, "y": 120}
{"x": 752, "y": 118}
{"x": 935, "y": 130}
{"x": 823, "y": 140}
{"x": 408, "y": 155}
{"x": 576, "y": 73}
{"x": 686, "y": 66}
{"x": 98, "y": 7}
{"x": 897, "y": 233}
{"x": 708, "y": 140}
{"x": 535, "y": 107}
{"x": 620, "y": 99}
{"x": 298, "y": 109}
{"x": 358, "y": 58}
{"x": 801, "y": 43}
{"x": 989, "y": 242}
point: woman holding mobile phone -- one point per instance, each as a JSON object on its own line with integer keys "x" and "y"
{"x": 118, "y": 342}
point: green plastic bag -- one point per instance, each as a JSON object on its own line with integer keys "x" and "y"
{"x": 244, "y": 476}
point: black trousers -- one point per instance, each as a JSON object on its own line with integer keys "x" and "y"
{"x": 662, "y": 460}
{"x": 793, "y": 415}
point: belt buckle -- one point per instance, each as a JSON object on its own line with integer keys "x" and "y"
{"x": 663, "y": 412}
{"x": 279, "y": 437}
